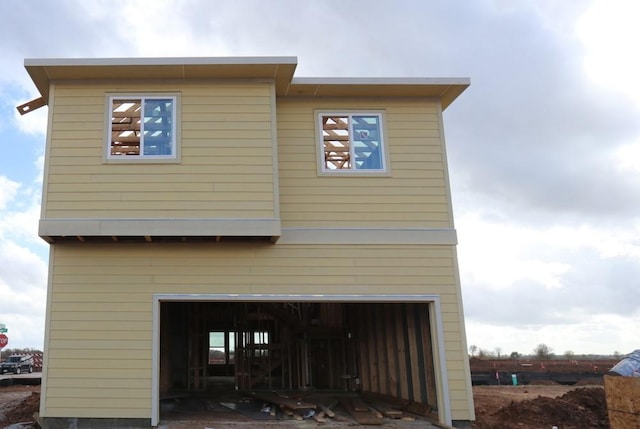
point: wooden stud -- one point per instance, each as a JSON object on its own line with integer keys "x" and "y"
{"x": 381, "y": 349}
{"x": 401, "y": 353}
{"x": 429, "y": 363}
{"x": 371, "y": 353}
{"x": 393, "y": 376}
{"x": 412, "y": 367}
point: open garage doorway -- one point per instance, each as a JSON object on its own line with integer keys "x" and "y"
{"x": 387, "y": 350}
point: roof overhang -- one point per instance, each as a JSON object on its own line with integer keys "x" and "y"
{"x": 44, "y": 71}
{"x": 279, "y": 69}
{"x": 445, "y": 89}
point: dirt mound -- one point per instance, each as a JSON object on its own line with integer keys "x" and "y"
{"x": 24, "y": 411}
{"x": 577, "y": 409}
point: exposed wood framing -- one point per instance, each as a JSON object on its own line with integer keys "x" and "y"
{"x": 335, "y": 131}
{"x": 198, "y": 347}
{"x": 125, "y": 126}
{"x": 383, "y": 350}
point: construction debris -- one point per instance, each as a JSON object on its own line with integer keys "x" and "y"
{"x": 361, "y": 412}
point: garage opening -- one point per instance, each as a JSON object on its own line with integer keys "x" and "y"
{"x": 367, "y": 351}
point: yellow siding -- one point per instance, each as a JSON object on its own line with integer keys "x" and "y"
{"x": 414, "y": 194}
{"x": 226, "y": 166}
{"x": 101, "y": 305}
{"x": 100, "y": 308}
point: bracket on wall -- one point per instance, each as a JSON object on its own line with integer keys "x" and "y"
{"x": 32, "y": 105}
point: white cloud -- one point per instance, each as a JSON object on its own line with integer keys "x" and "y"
{"x": 23, "y": 284}
{"x": 499, "y": 256}
{"x": 19, "y": 211}
{"x": 34, "y": 122}
{"x": 626, "y": 158}
{"x": 169, "y": 35}
{"x": 609, "y": 29}
{"x": 23, "y": 272}
{"x": 587, "y": 334}
{"x": 8, "y": 191}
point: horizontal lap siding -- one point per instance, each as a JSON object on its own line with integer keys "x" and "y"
{"x": 226, "y": 168}
{"x": 100, "y": 345}
{"x": 414, "y": 195}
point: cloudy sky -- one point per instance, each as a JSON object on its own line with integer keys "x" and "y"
{"x": 544, "y": 147}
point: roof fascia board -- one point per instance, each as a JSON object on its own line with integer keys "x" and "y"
{"x": 178, "y": 61}
{"x": 380, "y": 81}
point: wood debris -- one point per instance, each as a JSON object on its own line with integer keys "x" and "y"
{"x": 361, "y": 412}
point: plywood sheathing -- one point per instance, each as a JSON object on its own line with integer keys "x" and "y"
{"x": 623, "y": 401}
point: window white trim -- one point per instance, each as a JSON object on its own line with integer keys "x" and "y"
{"x": 133, "y": 128}
{"x": 345, "y": 155}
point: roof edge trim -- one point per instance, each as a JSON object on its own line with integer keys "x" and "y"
{"x": 381, "y": 81}
{"x": 160, "y": 61}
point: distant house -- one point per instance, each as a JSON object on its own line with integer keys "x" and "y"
{"x": 217, "y": 218}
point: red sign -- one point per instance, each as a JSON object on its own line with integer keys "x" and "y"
{"x": 4, "y": 340}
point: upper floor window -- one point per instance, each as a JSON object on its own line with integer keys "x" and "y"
{"x": 352, "y": 142}
{"x": 142, "y": 127}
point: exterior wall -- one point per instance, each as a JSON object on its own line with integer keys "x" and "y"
{"x": 99, "y": 314}
{"x": 226, "y": 169}
{"x": 100, "y": 295}
{"x": 414, "y": 194}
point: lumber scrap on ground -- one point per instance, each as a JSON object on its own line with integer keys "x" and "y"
{"x": 283, "y": 401}
{"x": 365, "y": 417}
{"x": 390, "y": 412}
{"x": 328, "y": 409}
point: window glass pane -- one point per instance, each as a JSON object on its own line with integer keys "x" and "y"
{"x": 232, "y": 347}
{"x": 365, "y": 137}
{"x": 158, "y": 127}
{"x": 222, "y": 347}
{"x": 216, "y": 348}
{"x": 125, "y": 127}
{"x": 335, "y": 135}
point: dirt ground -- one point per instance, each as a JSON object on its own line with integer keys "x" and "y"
{"x": 18, "y": 404}
{"x": 497, "y": 407}
{"x": 540, "y": 407}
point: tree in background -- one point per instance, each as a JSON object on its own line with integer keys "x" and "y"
{"x": 543, "y": 351}
{"x": 472, "y": 350}
{"x": 484, "y": 354}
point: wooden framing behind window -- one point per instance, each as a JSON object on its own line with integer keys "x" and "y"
{"x": 352, "y": 142}
{"x": 142, "y": 127}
